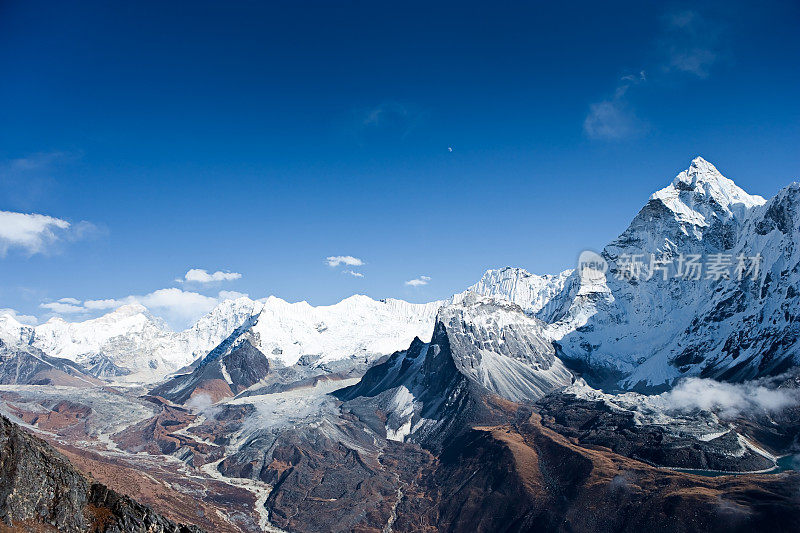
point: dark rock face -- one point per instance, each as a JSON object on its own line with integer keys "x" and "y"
{"x": 224, "y": 372}
{"x": 41, "y": 490}
{"x": 519, "y": 475}
{"x": 595, "y": 424}
{"x": 431, "y": 392}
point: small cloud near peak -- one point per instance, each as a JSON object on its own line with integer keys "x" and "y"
{"x": 201, "y": 275}
{"x": 336, "y": 260}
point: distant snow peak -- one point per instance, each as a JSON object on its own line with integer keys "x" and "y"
{"x": 531, "y": 292}
{"x": 356, "y": 326}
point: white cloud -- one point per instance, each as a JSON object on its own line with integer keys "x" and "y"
{"x": 62, "y": 308}
{"x": 353, "y": 273}
{"x": 25, "y": 181}
{"x": 201, "y": 275}
{"x": 388, "y": 121}
{"x": 231, "y": 295}
{"x": 685, "y": 44}
{"x": 37, "y": 233}
{"x": 610, "y": 120}
{"x": 422, "y": 280}
{"x": 691, "y": 44}
{"x": 178, "y": 306}
{"x": 728, "y": 399}
{"x": 109, "y": 303}
{"x": 31, "y": 232}
{"x": 697, "y": 61}
{"x": 28, "y": 320}
{"x": 349, "y": 260}
{"x": 635, "y": 78}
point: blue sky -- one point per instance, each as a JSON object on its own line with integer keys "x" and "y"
{"x": 424, "y": 140}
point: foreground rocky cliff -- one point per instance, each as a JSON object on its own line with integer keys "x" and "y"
{"x": 41, "y": 491}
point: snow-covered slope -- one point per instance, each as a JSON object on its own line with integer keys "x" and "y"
{"x": 649, "y": 331}
{"x": 645, "y": 331}
{"x": 355, "y": 327}
{"x": 13, "y": 332}
{"x": 343, "y": 337}
{"x": 22, "y": 364}
{"x": 533, "y": 293}
{"x": 133, "y": 345}
{"x": 123, "y": 341}
{"x": 210, "y": 330}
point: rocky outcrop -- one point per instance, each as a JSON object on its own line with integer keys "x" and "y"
{"x": 521, "y": 476}
{"x": 430, "y": 392}
{"x": 227, "y": 370}
{"x": 41, "y": 491}
{"x": 593, "y": 423}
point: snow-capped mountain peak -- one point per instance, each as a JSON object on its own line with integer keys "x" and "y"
{"x": 128, "y": 310}
{"x": 12, "y": 331}
{"x": 701, "y": 193}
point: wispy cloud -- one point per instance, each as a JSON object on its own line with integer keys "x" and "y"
{"x": 614, "y": 118}
{"x": 611, "y": 120}
{"x": 178, "y": 307}
{"x": 24, "y": 181}
{"x": 417, "y": 282}
{"x": 349, "y": 260}
{"x": 691, "y": 44}
{"x": 63, "y": 308}
{"x": 353, "y": 273}
{"x": 686, "y": 44}
{"x": 201, "y": 275}
{"x": 387, "y": 121}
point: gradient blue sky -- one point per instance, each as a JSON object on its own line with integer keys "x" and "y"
{"x": 260, "y": 138}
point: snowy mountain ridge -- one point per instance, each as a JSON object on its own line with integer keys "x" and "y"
{"x": 130, "y": 344}
{"x": 638, "y": 333}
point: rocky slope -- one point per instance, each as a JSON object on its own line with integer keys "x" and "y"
{"x": 227, "y": 370}
{"x": 64, "y": 499}
{"x": 480, "y": 346}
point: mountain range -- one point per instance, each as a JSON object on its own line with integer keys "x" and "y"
{"x": 524, "y": 402}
